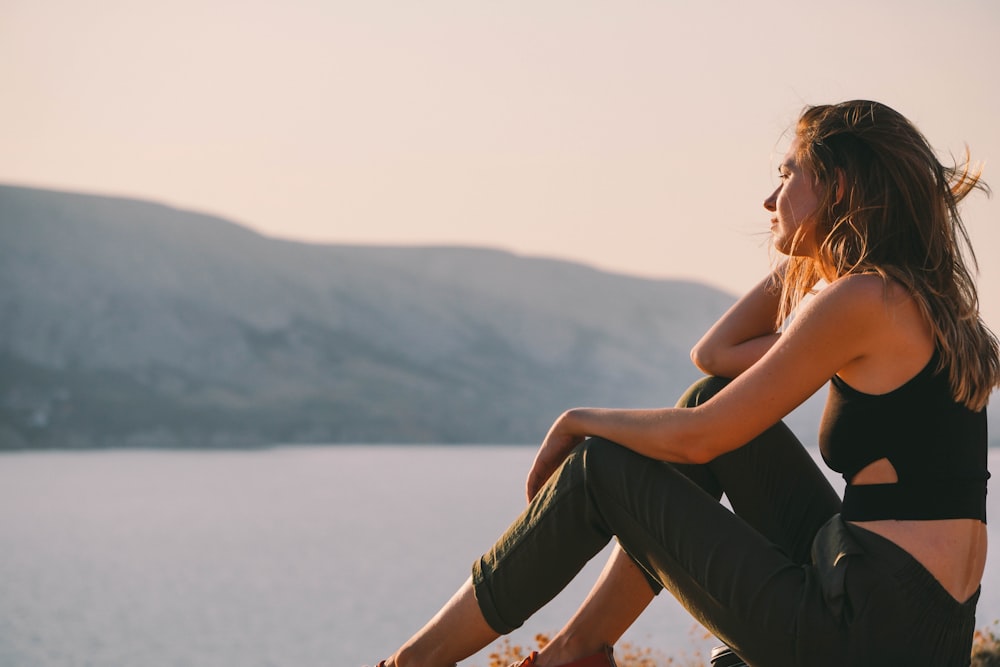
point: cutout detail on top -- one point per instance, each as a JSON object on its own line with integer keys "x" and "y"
{"x": 877, "y": 472}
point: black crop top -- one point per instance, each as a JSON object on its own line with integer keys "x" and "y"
{"x": 938, "y": 448}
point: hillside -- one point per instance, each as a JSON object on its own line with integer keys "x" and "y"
{"x": 125, "y": 322}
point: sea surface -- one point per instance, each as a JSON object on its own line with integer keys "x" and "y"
{"x": 304, "y": 556}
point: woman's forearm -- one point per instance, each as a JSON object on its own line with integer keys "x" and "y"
{"x": 730, "y": 360}
{"x": 667, "y": 434}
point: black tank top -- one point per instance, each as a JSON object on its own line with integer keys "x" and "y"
{"x": 938, "y": 448}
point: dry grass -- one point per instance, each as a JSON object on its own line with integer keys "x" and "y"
{"x": 627, "y": 654}
{"x": 985, "y": 653}
{"x": 986, "y": 647}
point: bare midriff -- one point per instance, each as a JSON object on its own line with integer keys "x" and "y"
{"x": 953, "y": 550}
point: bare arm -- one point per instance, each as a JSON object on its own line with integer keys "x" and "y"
{"x": 743, "y": 334}
{"x": 837, "y": 327}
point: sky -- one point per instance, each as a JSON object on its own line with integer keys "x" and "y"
{"x": 638, "y": 137}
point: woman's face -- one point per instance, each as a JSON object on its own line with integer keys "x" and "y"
{"x": 793, "y": 204}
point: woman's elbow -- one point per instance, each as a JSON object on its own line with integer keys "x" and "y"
{"x": 700, "y": 453}
{"x": 703, "y": 358}
{"x": 695, "y": 443}
{"x": 692, "y": 457}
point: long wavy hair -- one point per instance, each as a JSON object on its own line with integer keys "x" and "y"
{"x": 888, "y": 206}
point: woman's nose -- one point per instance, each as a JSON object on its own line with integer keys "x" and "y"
{"x": 771, "y": 203}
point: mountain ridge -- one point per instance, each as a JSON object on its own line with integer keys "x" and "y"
{"x": 129, "y": 322}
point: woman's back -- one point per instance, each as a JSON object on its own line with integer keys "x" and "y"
{"x": 953, "y": 550}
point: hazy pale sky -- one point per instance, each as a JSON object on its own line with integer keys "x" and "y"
{"x": 638, "y": 137}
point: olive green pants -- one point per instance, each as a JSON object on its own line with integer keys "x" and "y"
{"x": 783, "y": 580}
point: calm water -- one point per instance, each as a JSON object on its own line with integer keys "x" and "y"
{"x": 291, "y": 556}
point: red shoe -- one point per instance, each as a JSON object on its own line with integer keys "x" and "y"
{"x": 603, "y": 658}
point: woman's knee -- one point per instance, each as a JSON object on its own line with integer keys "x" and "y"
{"x": 701, "y": 391}
{"x": 599, "y": 460}
{"x": 598, "y": 452}
{"x": 592, "y": 454}
{"x": 608, "y": 467}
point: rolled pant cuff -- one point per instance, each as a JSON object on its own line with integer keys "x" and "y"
{"x": 487, "y": 605}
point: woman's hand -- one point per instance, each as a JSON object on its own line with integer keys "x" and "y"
{"x": 557, "y": 445}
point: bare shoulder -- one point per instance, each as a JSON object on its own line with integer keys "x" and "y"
{"x": 867, "y": 295}
{"x": 866, "y": 286}
{"x": 896, "y": 340}
{"x": 852, "y": 301}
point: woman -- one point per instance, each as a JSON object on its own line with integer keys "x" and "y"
{"x": 889, "y": 576}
